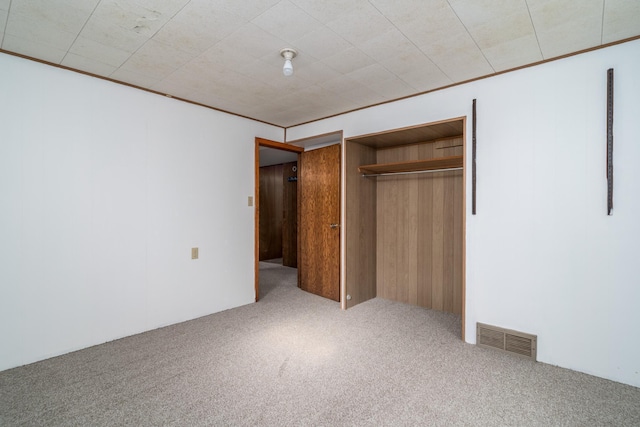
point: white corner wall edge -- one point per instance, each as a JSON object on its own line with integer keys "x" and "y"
{"x": 104, "y": 190}
{"x": 542, "y": 256}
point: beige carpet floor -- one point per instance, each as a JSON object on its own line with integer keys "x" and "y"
{"x": 297, "y": 359}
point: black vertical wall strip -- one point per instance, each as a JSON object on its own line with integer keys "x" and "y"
{"x": 610, "y": 141}
{"x": 473, "y": 161}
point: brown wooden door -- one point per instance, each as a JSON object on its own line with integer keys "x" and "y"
{"x": 319, "y": 226}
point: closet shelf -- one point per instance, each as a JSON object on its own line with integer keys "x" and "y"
{"x": 451, "y": 162}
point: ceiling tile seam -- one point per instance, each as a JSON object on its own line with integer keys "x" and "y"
{"x": 147, "y": 41}
{"x": 197, "y": 56}
{"x": 6, "y": 21}
{"x": 535, "y": 31}
{"x": 472, "y": 38}
{"x": 337, "y": 35}
{"x": 252, "y": 21}
{"x": 412, "y": 43}
{"x": 79, "y": 32}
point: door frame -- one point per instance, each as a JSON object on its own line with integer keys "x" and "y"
{"x": 261, "y": 142}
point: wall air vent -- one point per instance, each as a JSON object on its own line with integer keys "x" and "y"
{"x": 513, "y": 342}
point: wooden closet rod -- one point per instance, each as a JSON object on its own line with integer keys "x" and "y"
{"x": 411, "y": 172}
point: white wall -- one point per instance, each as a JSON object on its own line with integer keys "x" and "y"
{"x": 542, "y": 255}
{"x": 104, "y": 189}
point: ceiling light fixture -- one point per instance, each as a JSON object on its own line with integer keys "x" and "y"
{"x": 288, "y": 54}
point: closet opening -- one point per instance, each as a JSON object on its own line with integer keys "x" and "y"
{"x": 404, "y": 211}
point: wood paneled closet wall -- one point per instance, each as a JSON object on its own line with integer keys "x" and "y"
{"x": 404, "y": 232}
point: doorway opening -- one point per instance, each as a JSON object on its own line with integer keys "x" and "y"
{"x": 276, "y": 217}
{"x": 309, "y": 177}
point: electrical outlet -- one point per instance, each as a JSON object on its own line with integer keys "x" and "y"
{"x": 194, "y": 253}
{"x": 250, "y": 201}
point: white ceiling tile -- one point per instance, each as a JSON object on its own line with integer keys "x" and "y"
{"x": 475, "y": 13}
{"x": 502, "y": 29}
{"x": 445, "y": 41}
{"x": 89, "y": 65}
{"x": 64, "y": 15}
{"x": 187, "y": 39}
{"x": 621, "y": 20}
{"x": 131, "y": 16}
{"x": 342, "y": 105}
{"x": 190, "y": 79}
{"x": 164, "y": 7}
{"x": 156, "y": 60}
{"x": 563, "y": 27}
{"x": 423, "y": 79}
{"x": 493, "y": 22}
{"x": 498, "y": 32}
{"x": 197, "y": 27}
{"x": 387, "y": 44}
{"x": 202, "y": 75}
{"x": 513, "y": 53}
{"x": 253, "y": 41}
{"x": 245, "y": 9}
{"x": 227, "y": 56}
{"x": 309, "y": 96}
{"x": 404, "y": 62}
{"x": 341, "y": 84}
{"x": 42, "y": 22}
{"x": 238, "y": 86}
{"x": 287, "y": 21}
{"x": 325, "y": 11}
{"x": 301, "y": 109}
{"x": 394, "y": 88}
{"x": 362, "y": 95}
{"x": 348, "y": 60}
{"x": 320, "y": 97}
{"x": 553, "y": 13}
{"x": 402, "y": 11}
{"x": 371, "y": 75}
{"x": 315, "y": 72}
{"x": 43, "y": 34}
{"x": 33, "y": 49}
{"x": 3, "y": 22}
{"x": 459, "y": 58}
{"x": 360, "y": 24}
{"x": 102, "y": 31}
{"x": 435, "y": 27}
{"x": 322, "y": 43}
{"x": 91, "y": 49}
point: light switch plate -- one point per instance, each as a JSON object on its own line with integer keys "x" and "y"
{"x": 250, "y": 201}
{"x": 194, "y": 253}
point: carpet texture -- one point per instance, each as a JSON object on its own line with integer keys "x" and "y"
{"x": 297, "y": 359}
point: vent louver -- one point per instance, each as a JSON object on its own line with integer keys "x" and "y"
{"x": 513, "y": 342}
